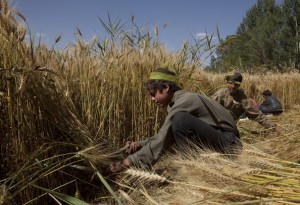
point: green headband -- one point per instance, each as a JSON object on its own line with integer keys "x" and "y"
{"x": 162, "y": 76}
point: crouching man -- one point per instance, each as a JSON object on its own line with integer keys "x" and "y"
{"x": 191, "y": 116}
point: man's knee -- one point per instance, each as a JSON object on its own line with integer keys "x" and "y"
{"x": 179, "y": 118}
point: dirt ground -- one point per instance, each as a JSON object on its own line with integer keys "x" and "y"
{"x": 284, "y": 145}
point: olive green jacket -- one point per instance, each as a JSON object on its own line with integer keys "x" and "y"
{"x": 200, "y": 106}
{"x": 238, "y": 104}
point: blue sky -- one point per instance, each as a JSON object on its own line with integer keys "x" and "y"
{"x": 184, "y": 18}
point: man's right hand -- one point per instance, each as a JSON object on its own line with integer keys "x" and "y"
{"x": 132, "y": 147}
{"x": 278, "y": 130}
{"x": 117, "y": 167}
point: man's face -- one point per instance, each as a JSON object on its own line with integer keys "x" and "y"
{"x": 163, "y": 98}
{"x": 232, "y": 87}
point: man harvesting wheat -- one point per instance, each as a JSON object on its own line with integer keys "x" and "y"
{"x": 191, "y": 117}
{"x": 235, "y": 100}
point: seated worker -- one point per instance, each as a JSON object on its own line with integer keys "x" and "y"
{"x": 243, "y": 116}
{"x": 191, "y": 118}
{"x": 253, "y": 102}
{"x": 271, "y": 105}
{"x": 234, "y": 99}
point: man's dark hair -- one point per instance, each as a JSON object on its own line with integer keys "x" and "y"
{"x": 267, "y": 93}
{"x": 236, "y": 77}
{"x": 161, "y": 84}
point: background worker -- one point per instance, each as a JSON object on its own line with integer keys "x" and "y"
{"x": 235, "y": 100}
{"x": 271, "y": 104}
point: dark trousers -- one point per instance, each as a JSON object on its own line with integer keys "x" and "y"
{"x": 267, "y": 111}
{"x": 187, "y": 127}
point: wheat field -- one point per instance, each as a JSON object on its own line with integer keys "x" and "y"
{"x": 64, "y": 115}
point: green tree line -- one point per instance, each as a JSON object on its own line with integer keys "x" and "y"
{"x": 267, "y": 39}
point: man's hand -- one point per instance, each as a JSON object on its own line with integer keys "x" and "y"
{"x": 275, "y": 130}
{"x": 117, "y": 167}
{"x": 132, "y": 147}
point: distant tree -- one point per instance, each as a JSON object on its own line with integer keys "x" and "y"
{"x": 257, "y": 40}
{"x": 291, "y": 32}
{"x": 268, "y": 36}
{"x": 259, "y": 33}
{"x": 230, "y": 52}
